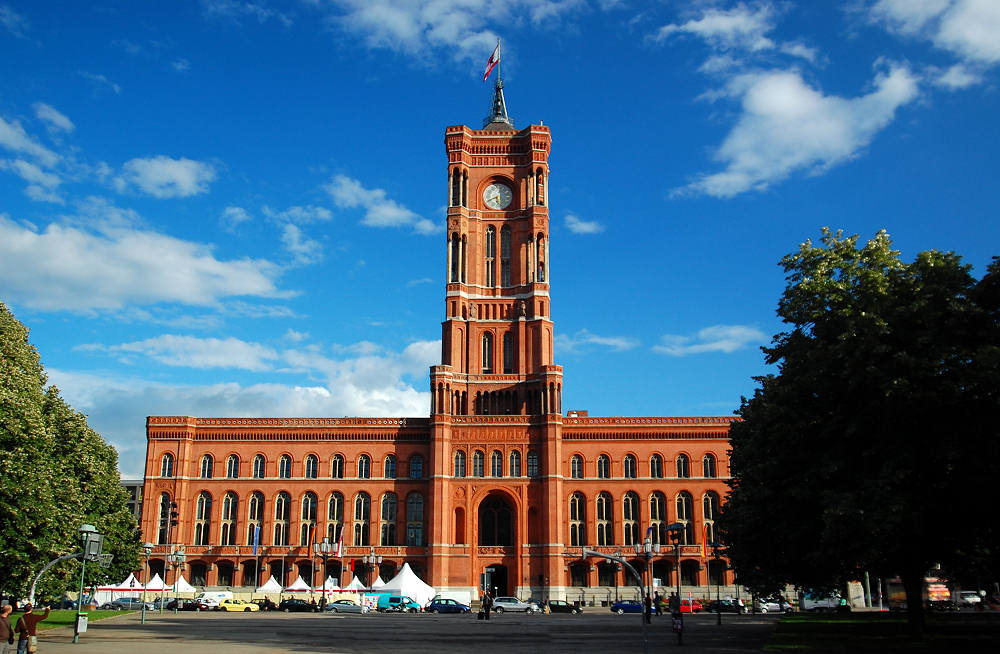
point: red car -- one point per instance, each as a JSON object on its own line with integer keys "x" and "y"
{"x": 691, "y": 606}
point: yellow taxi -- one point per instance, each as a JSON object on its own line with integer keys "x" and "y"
{"x": 237, "y": 605}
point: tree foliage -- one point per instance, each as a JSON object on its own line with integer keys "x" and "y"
{"x": 872, "y": 446}
{"x": 56, "y": 474}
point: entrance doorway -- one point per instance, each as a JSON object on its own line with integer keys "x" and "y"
{"x": 495, "y": 575}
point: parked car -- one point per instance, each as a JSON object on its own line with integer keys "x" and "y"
{"x": 345, "y": 606}
{"x": 969, "y": 598}
{"x": 691, "y": 606}
{"x": 265, "y": 604}
{"x": 503, "y": 604}
{"x": 627, "y": 606}
{"x": 444, "y": 605}
{"x": 297, "y": 605}
{"x": 237, "y": 605}
{"x": 188, "y": 605}
{"x": 776, "y": 605}
{"x": 126, "y": 604}
{"x": 397, "y": 604}
{"x": 559, "y": 606}
{"x": 726, "y": 606}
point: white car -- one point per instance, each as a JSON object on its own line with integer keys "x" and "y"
{"x": 773, "y": 606}
{"x": 502, "y": 604}
{"x": 969, "y": 598}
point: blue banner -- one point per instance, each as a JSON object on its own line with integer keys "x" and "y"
{"x": 256, "y": 539}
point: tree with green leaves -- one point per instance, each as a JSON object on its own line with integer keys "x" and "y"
{"x": 56, "y": 474}
{"x": 874, "y": 445}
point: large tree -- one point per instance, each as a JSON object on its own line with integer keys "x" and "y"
{"x": 56, "y": 474}
{"x": 872, "y": 447}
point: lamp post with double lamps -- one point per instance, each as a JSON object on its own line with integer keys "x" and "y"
{"x": 323, "y": 549}
{"x": 93, "y": 541}
{"x": 716, "y": 547}
{"x": 371, "y": 561}
{"x": 147, "y": 549}
{"x": 676, "y": 532}
{"x": 648, "y": 548}
{"x": 177, "y": 558}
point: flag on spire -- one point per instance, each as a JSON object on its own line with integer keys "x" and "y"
{"x": 494, "y": 60}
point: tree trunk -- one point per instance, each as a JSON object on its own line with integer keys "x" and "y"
{"x": 913, "y": 584}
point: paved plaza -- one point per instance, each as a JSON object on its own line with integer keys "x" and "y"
{"x": 235, "y": 633}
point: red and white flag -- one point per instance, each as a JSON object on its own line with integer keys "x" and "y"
{"x": 494, "y": 60}
{"x": 340, "y": 543}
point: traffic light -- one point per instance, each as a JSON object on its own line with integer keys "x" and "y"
{"x": 173, "y": 514}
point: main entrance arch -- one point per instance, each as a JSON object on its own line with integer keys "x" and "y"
{"x": 496, "y": 540}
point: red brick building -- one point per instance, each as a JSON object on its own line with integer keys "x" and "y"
{"x": 497, "y": 478}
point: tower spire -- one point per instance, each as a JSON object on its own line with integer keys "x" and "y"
{"x": 498, "y": 118}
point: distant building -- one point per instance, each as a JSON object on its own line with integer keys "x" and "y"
{"x": 496, "y": 481}
{"x": 134, "y": 488}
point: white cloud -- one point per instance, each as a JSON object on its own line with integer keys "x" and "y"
{"x": 14, "y": 138}
{"x": 163, "y": 177}
{"x": 304, "y": 250}
{"x": 302, "y": 215}
{"x": 113, "y": 265}
{"x": 12, "y": 21}
{"x": 958, "y": 76}
{"x": 180, "y": 65}
{"x": 193, "y": 352}
{"x": 232, "y": 217}
{"x": 380, "y": 211}
{"x": 100, "y": 80}
{"x": 578, "y": 226}
{"x": 788, "y": 126}
{"x": 41, "y": 184}
{"x": 294, "y": 336}
{"x": 718, "y": 338}
{"x": 51, "y": 116}
{"x": 969, "y": 29}
{"x": 240, "y": 9}
{"x": 741, "y": 27}
{"x": 583, "y": 340}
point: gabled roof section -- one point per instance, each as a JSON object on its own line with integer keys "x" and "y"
{"x": 498, "y": 120}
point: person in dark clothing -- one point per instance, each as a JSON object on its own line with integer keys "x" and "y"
{"x": 656, "y": 602}
{"x": 648, "y": 605}
{"x": 6, "y": 631}
{"x": 487, "y": 604}
{"x": 26, "y": 627}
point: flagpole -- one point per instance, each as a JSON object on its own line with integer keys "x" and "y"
{"x": 499, "y": 58}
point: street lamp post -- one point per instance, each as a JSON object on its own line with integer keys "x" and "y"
{"x": 147, "y": 549}
{"x": 718, "y": 582}
{"x": 92, "y": 543}
{"x": 676, "y": 531}
{"x": 177, "y": 558}
{"x": 648, "y": 548}
{"x": 323, "y": 549}
{"x": 371, "y": 561}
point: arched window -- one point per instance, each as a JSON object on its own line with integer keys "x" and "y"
{"x": 685, "y": 517}
{"x": 416, "y": 467}
{"x": 711, "y": 509}
{"x": 362, "y": 517}
{"x": 630, "y": 518}
{"x": 227, "y": 523}
{"x": 505, "y": 256}
{"x": 206, "y": 466}
{"x": 508, "y": 353}
{"x": 389, "y": 467}
{"x": 532, "y": 463}
{"x": 233, "y": 467}
{"x": 163, "y": 533}
{"x": 415, "y": 519}
{"x": 603, "y": 467}
{"x": 708, "y": 466}
{"x": 658, "y": 517}
{"x": 456, "y": 257}
{"x": 496, "y": 464}
{"x": 167, "y": 465}
{"x": 255, "y": 515}
{"x": 337, "y": 467}
{"x": 312, "y": 467}
{"x": 387, "y": 526}
{"x": 495, "y": 523}
{"x": 683, "y": 467}
{"x": 490, "y": 250}
{"x": 202, "y": 518}
{"x": 258, "y": 466}
{"x": 282, "y": 517}
{"x": 631, "y": 467}
{"x": 577, "y": 520}
{"x": 334, "y": 516}
{"x": 477, "y": 463}
{"x": 540, "y": 187}
{"x": 656, "y": 466}
{"x": 285, "y": 467}
{"x": 459, "y": 464}
{"x": 605, "y": 521}
{"x": 576, "y": 467}
{"x": 541, "y": 263}
{"x": 515, "y": 464}
{"x": 487, "y": 353}
{"x": 364, "y": 467}
{"x": 310, "y": 504}
{"x": 456, "y": 187}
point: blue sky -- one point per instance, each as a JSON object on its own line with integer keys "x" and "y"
{"x": 235, "y": 208}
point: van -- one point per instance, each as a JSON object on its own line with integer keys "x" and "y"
{"x": 397, "y": 604}
{"x": 213, "y": 597}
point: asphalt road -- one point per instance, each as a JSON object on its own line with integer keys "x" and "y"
{"x": 257, "y": 633}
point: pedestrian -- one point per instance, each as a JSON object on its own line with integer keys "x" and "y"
{"x": 656, "y": 602}
{"x": 6, "y": 632}
{"x": 27, "y": 640}
{"x": 648, "y": 605}
{"x": 487, "y": 604}
{"x": 675, "y": 605}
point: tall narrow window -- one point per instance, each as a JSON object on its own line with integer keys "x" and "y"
{"x": 532, "y": 463}
{"x": 577, "y": 520}
{"x": 541, "y": 257}
{"x": 576, "y": 467}
{"x": 508, "y": 353}
{"x": 603, "y": 467}
{"x": 206, "y": 466}
{"x": 387, "y": 525}
{"x": 477, "y": 463}
{"x": 631, "y": 467}
{"x": 515, "y": 464}
{"x": 683, "y": 467}
{"x": 630, "y": 518}
{"x": 163, "y": 533}
{"x": 255, "y": 515}
{"x": 233, "y": 467}
{"x": 202, "y": 518}
{"x": 656, "y": 466}
{"x": 337, "y": 467}
{"x": 456, "y": 257}
{"x": 416, "y": 467}
{"x": 605, "y": 525}
{"x": 415, "y": 519}
{"x": 711, "y": 508}
{"x": 684, "y": 516}
{"x": 362, "y": 518}
{"x": 167, "y": 465}
{"x": 389, "y": 467}
{"x": 456, "y": 187}
{"x": 285, "y": 467}
{"x": 334, "y": 516}
{"x": 459, "y": 464}
{"x": 364, "y": 467}
{"x": 505, "y": 256}
{"x": 282, "y": 517}
{"x": 310, "y": 504}
{"x": 227, "y": 522}
{"x": 496, "y": 464}
{"x": 258, "y": 466}
{"x": 312, "y": 467}
{"x": 708, "y": 466}
{"x": 487, "y": 353}
{"x": 658, "y": 517}
{"x": 490, "y": 251}
{"x": 540, "y": 190}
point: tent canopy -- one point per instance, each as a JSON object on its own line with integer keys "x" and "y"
{"x": 298, "y": 586}
{"x": 328, "y": 586}
{"x": 355, "y": 585}
{"x": 409, "y": 584}
{"x": 270, "y": 586}
{"x": 183, "y": 586}
{"x": 156, "y": 583}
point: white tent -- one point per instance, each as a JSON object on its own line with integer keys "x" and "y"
{"x": 298, "y": 586}
{"x": 355, "y": 585}
{"x": 378, "y": 583}
{"x": 328, "y": 586}
{"x": 270, "y": 586}
{"x": 409, "y": 584}
{"x": 156, "y": 583}
{"x": 130, "y": 583}
{"x": 182, "y": 586}
{"x": 130, "y": 587}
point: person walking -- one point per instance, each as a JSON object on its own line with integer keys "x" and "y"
{"x": 487, "y": 604}
{"x": 656, "y": 602}
{"x": 648, "y": 605}
{"x": 27, "y": 640}
{"x": 6, "y": 631}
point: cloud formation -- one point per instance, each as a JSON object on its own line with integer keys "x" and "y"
{"x": 968, "y": 29}
{"x": 52, "y": 118}
{"x": 164, "y": 177}
{"x": 192, "y": 352}
{"x": 585, "y": 340}
{"x": 380, "y": 211}
{"x": 579, "y": 226}
{"x": 718, "y": 338}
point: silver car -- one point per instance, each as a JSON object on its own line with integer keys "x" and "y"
{"x": 345, "y": 606}
{"x": 502, "y": 604}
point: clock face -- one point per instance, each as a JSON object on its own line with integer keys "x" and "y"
{"x": 497, "y": 196}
